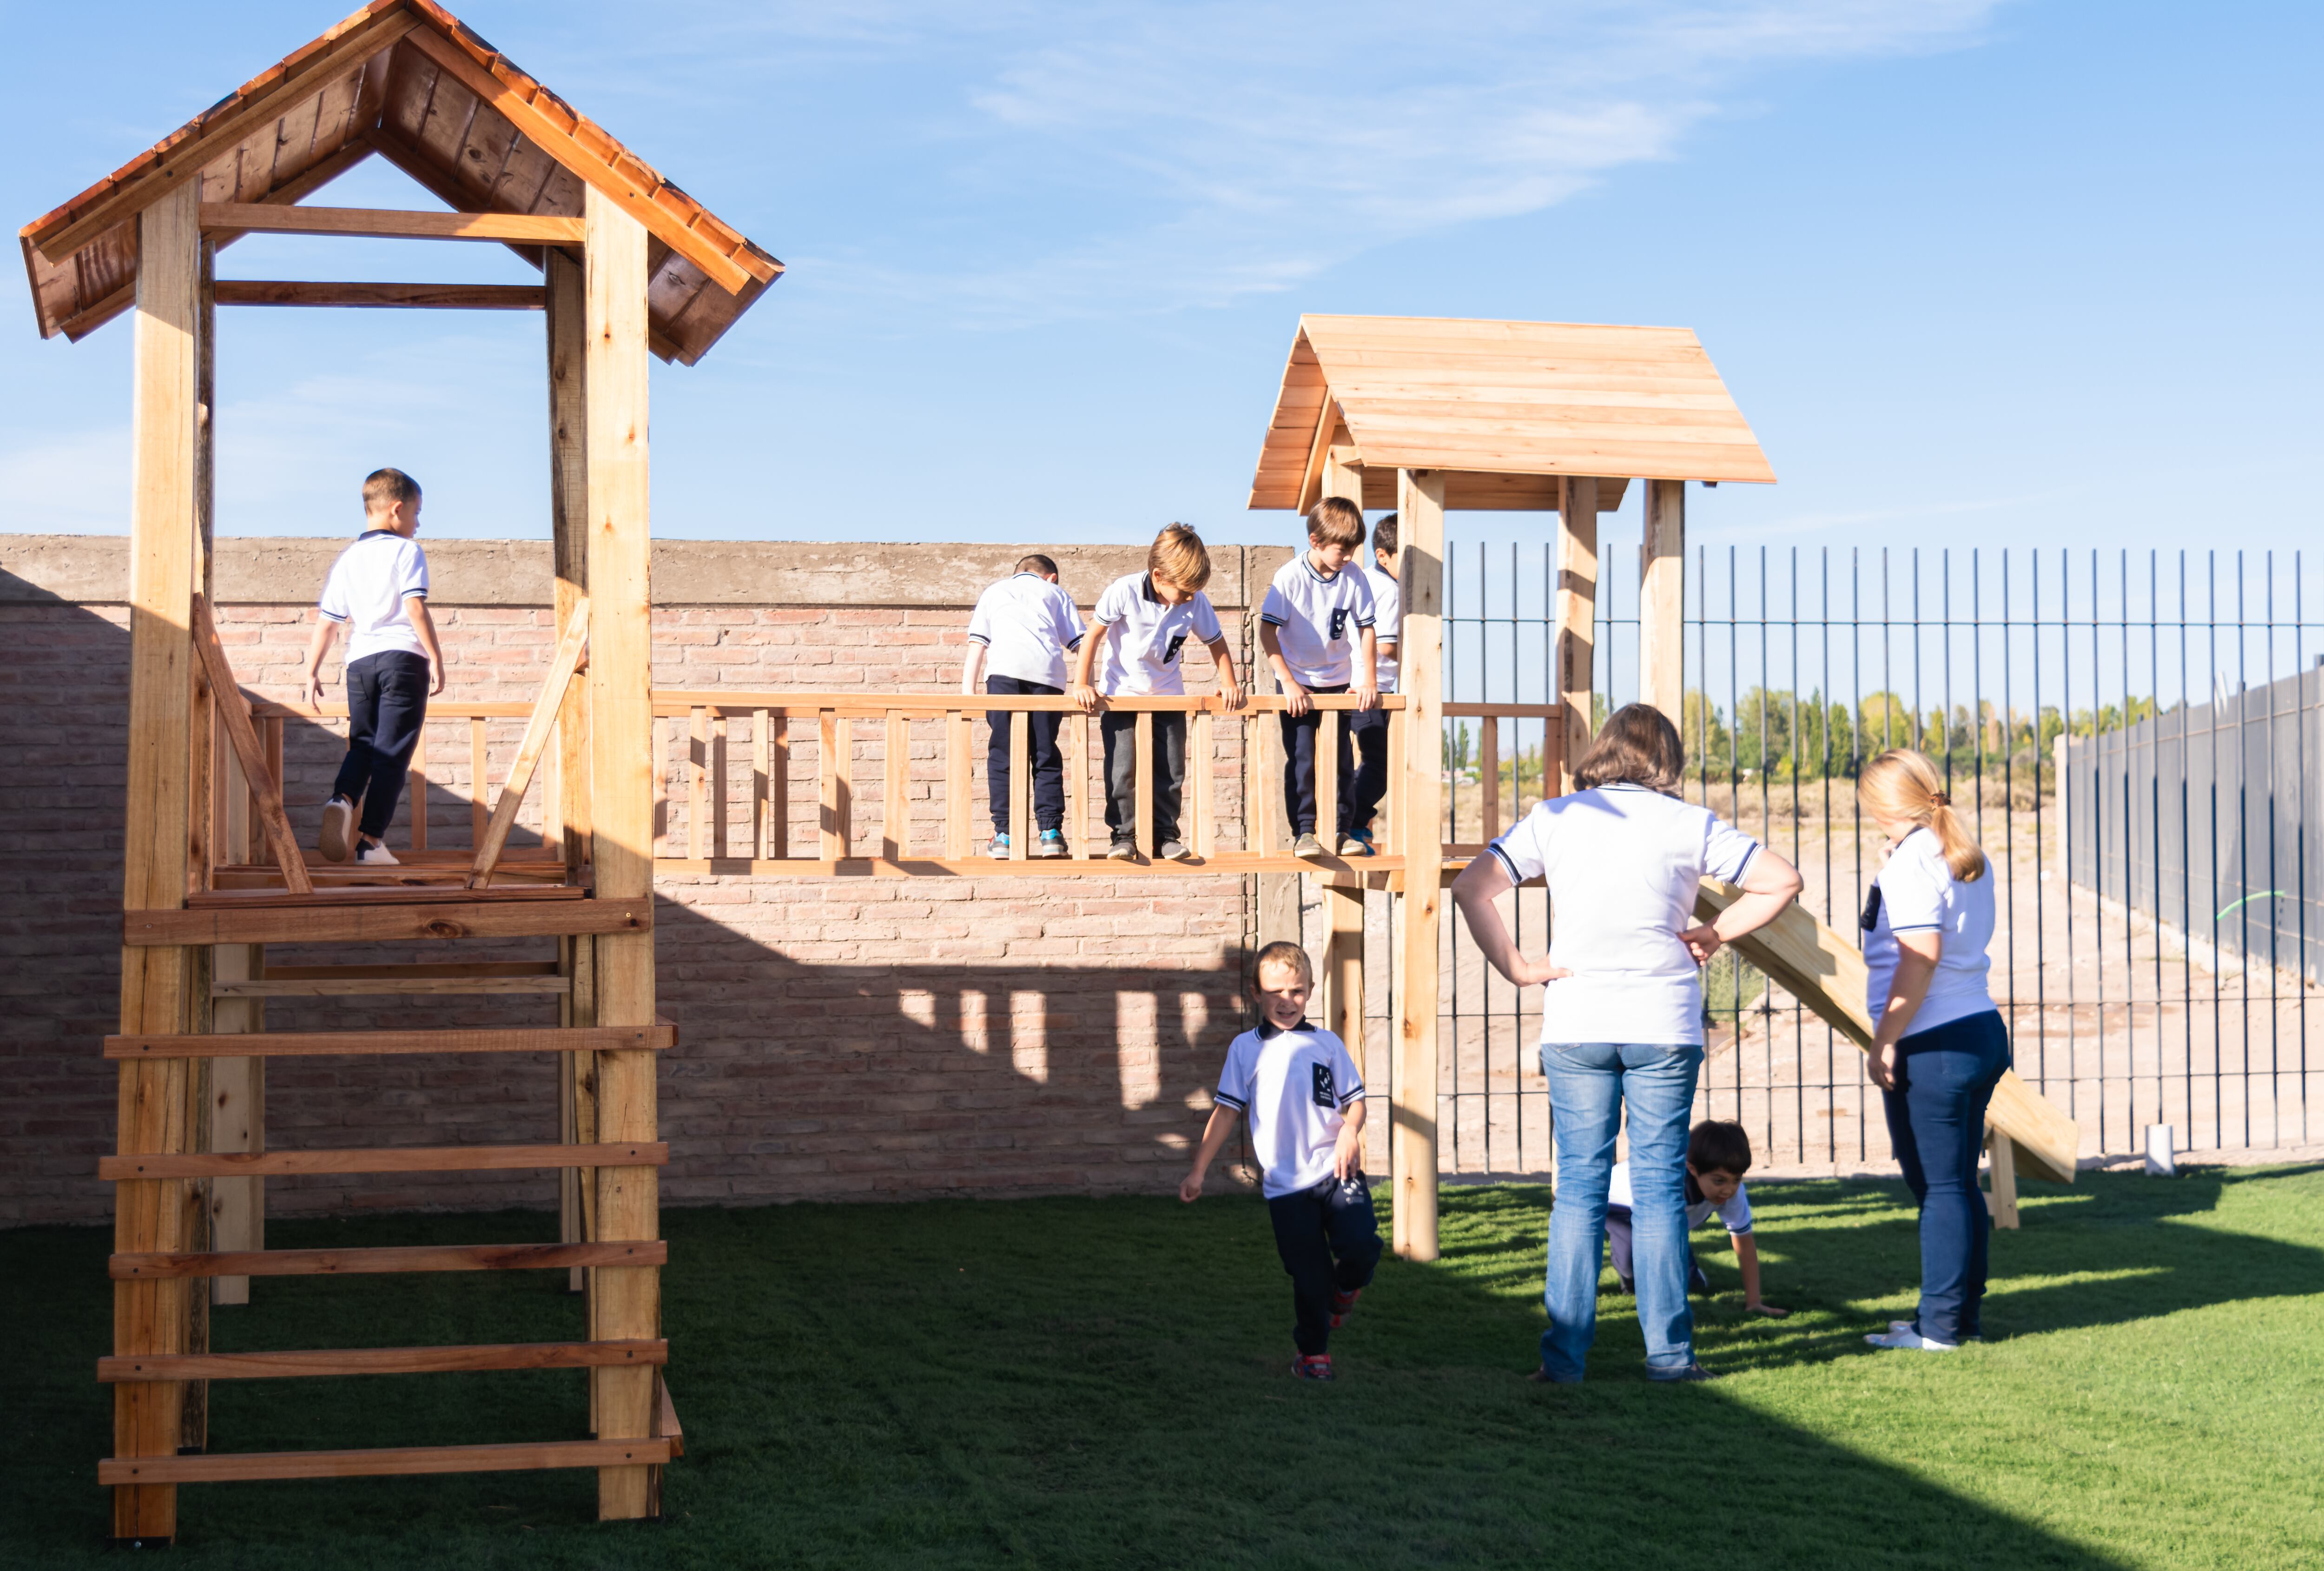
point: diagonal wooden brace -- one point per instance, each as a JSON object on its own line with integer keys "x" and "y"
{"x": 242, "y": 735}
{"x": 570, "y": 652}
{"x": 1826, "y": 973}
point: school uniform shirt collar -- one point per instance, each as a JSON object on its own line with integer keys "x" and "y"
{"x": 378, "y": 534}
{"x": 1145, "y": 588}
{"x": 1307, "y": 562}
{"x": 1269, "y": 1030}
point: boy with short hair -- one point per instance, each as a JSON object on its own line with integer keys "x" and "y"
{"x": 1370, "y": 725}
{"x": 378, "y": 590}
{"x": 1141, "y": 624}
{"x": 1717, "y": 1155}
{"x": 1305, "y": 1099}
{"x": 1018, "y": 637}
{"x": 1316, "y": 625}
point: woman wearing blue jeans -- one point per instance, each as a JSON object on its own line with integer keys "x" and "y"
{"x": 1939, "y": 1045}
{"x": 1622, "y": 1011}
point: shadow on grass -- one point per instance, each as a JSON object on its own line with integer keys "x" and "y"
{"x": 1061, "y": 1382}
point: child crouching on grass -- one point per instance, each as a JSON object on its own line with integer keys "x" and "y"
{"x": 1717, "y": 1155}
{"x": 1305, "y": 1101}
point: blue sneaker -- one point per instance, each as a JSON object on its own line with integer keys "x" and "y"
{"x": 998, "y": 849}
{"x": 1051, "y": 845}
{"x": 1356, "y": 843}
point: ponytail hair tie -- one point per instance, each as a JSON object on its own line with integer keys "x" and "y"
{"x": 1943, "y": 799}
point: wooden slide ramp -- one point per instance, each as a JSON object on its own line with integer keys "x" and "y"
{"x": 1826, "y": 973}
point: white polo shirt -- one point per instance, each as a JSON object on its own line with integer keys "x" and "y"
{"x": 1919, "y": 894}
{"x": 1144, "y": 639}
{"x": 1317, "y": 620}
{"x": 1622, "y": 863}
{"x": 1736, "y": 1213}
{"x": 1294, "y": 1088}
{"x": 1026, "y": 624}
{"x": 1388, "y": 621}
{"x": 366, "y": 591}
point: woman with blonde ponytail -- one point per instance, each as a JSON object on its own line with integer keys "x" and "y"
{"x": 1939, "y": 1045}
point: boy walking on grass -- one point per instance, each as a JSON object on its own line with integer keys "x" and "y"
{"x": 1305, "y": 1101}
{"x": 1717, "y": 1155}
{"x": 1141, "y": 625}
{"x": 1370, "y": 725}
{"x": 378, "y": 591}
{"x": 1018, "y": 637}
{"x": 1316, "y": 625}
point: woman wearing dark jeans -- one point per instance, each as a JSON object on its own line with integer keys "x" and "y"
{"x": 1939, "y": 1045}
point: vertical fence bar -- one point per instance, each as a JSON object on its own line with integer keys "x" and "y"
{"x": 416, "y": 789}
{"x": 895, "y": 810}
{"x": 762, "y": 822}
{"x": 1199, "y": 813}
{"x": 831, "y": 766}
{"x": 697, "y": 760}
{"x": 959, "y": 783}
{"x": 1142, "y": 737}
{"x": 480, "y": 780}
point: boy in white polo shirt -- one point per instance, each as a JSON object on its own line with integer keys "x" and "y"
{"x": 1305, "y": 1098}
{"x": 1370, "y": 725}
{"x": 378, "y": 591}
{"x": 1018, "y": 637}
{"x": 1141, "y": 625}
{"x": 1316, "y": 625}
{"x": 1717, "y": 1155}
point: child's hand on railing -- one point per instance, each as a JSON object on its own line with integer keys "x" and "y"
{"x": 1231, "y": 695}
{"x": 1297, "y": 699}
{"x": 1367, "y": 696}
{"x": 1084, "y": 695}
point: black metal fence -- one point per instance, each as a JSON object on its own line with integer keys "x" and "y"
{"x": 1801, "y": 666}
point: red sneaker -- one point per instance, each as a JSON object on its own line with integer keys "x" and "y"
{"x": 1343, "y": 1305}
{"x": 1313, "y": 1366}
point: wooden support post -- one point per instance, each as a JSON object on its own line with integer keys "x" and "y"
{"x": 568, "y": 515}
{"x": 627, "y": 1300}
{"x": 480, "y": 780}
{"x": 767, "y": 840}
{"x": 832, "y": 763}
{"x": 237, "y": 1115}
{"x": 1327, "y": 779}
{"x": 1198, "y": 813}
{"x": 2002, "y": 1152}
{"x": 895, "y": 810}
{"x": 718, "y": 783}
{"x": 1577, "y": 611}
{"x": 960, "y": 783}
{"x": 1343, "y": 965}
{"x": 1072, "y": 741}
{"x": 1420, "y": 655}
{"x": 1488, "y": 775}
{"x": 1021, "y": 832}
{"x": 157, "y": 984}
{"x": 1662, "y": 601}
{"x": 1142, "y": 784}
{"x": 416, "y": 789}
{"x": 538, "y": 733}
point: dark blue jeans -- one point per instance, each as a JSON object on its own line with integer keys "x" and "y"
{"x": 387, "y": 700}
{"x": 1048, "y": 762}
{"x": 1330, "y": 1242}
{"x": 1299, "y": 769}
{"x": 1370, "y": 728}
{"x": 1945, "y": 1076}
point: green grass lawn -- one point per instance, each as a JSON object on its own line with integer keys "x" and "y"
{"x": 1103, "y": 1382}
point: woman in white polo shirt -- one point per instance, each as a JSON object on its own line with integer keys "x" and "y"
{"x": 1621, "y": 1020}
{"x": 1939, "y": 1045}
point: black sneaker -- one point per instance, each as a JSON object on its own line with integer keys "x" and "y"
{"x": 1123, "y": 851}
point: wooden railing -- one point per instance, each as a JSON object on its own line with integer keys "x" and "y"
{"x": 865, "y": 782}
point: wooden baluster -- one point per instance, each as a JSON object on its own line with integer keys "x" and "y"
{"x": 1327, "y": 779}
{"x": 1198, "y": 813}
{"x": 761, "y": 840}
{"x": 959, "y": 783}
{"x": 697, "y": 752}
{"x": 833, "y": 764}
{"x": 779, "y": 786}
{"x": 1021, "y": 831}
{"x": 718, "y": 784}
{"x": 480, "y": 782}
{"x": 661, "y": 773}
{"x": 1142, "y": 733}
{"x": 1489, "y": 774}
{"x": 1078, "y": 824}
{"x": 416, "y": 789}
{"x": 273, "y": 754}
{"x": 1261, "y": 744}
{"x": 1390, "y": 829}
{"x": 895, "y": 810}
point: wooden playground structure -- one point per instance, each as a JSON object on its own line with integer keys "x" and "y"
{"x": 1421, "y": 415}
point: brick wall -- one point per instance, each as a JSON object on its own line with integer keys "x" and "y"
{"x": 839, "y": 1039}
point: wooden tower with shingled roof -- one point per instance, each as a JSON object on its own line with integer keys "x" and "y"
{"x": 630, "y": 265}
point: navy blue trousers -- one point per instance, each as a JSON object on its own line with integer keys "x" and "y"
{"x": 1048, "y": 759}
{"x": 1299, "y": 769}
{"x": 1945, "y": 1077}
{"x": 387, "y": 700}
{"x": 1330, "y": 1242}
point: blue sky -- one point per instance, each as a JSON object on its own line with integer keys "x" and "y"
{"x": 1979, "y": 274}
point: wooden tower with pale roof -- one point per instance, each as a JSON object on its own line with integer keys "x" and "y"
{"x": 630, "y": 265}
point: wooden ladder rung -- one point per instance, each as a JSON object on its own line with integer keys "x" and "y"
{"x": 485, "y": 976}
{"x": 380, "y": 1361}
{"x": 252, "y": 1465}
{"x": 357, "y": 1262}
{"x": 424, "y": 1159}
{"x": 659, "y": 1036}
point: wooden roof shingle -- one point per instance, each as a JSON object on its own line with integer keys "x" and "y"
{"x": 408, "y": 81}
{"x": 1505, "y": 408}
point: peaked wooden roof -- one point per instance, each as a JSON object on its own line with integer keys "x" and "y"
{"x": 407, "y": 81}
{"x": 1508, "y": 408}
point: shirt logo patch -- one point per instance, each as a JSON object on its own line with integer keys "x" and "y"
{"x": 1339, "y": 624}
{"x": 1322, "y": 1082}
{"x": 1177, "y": 642}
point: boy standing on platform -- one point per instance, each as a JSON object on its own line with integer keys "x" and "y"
{"x": 1018, "y": 637}
{"x": 1316, "y": 627}
{"x": 1305, "y": 1101}
{"x": 1142, "y": 623}
{"x": 378, "y": 590}
{"x": 1370, "y": 725}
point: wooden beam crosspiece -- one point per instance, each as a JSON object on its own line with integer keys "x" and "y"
{"x": 570, "y": 652}
{"x": 265, "y": 792}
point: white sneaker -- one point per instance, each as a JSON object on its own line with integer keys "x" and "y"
{"x": 337, "y": 841}
{"x": 376, "y": 855}
{"x": 1905, "y": 1337}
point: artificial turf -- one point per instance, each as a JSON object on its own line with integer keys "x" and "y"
{"x": 1073, "y": 1383}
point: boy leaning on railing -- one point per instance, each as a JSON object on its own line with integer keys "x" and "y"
{"x": 1140, "y": 627}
